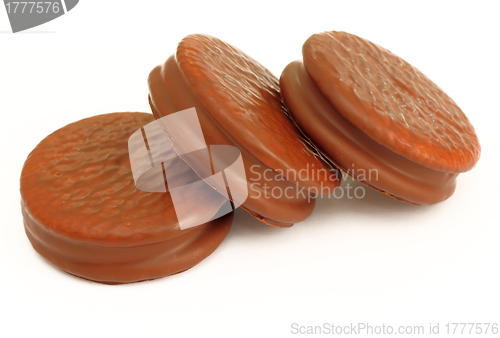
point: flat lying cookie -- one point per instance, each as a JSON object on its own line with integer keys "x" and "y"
{"x": 378, "y": 118}
{"x": 239, "y": 104}
{"x": 83, "y": 212}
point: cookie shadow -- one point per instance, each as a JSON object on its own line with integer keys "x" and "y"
{"x": 351, "y": 199}
{"x": 245, "y": 225}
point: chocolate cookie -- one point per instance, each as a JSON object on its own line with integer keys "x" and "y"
{"x": 238, "y": 104}
{"x": 378, "y": 118}
{"x": 83, "y": 212}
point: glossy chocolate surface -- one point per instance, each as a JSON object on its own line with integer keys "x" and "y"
{"x": 353, "y": 151}
{"x": 391, "y": 101}
{"x": 243, "y": 98}
{"x": 83, "y": 212}
{"x": 169, "y": 93}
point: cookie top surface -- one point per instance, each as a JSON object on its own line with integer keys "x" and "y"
{"x": 78, "y": 183}
{"x": 243, "y": 98}
{"x": 391, "y": 101}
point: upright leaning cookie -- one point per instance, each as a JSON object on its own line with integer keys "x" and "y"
{"x": 83, "y": 212}
{"x": 238, "y": 104}
{"x": 378, "y": 118}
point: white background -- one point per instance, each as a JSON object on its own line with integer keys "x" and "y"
{"x": 373, "y": 260}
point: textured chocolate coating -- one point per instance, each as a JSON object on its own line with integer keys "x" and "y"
{"x": 169, "y": 93}
{"x": 83, "y": 212}
{"x": 239, "y": 104}
{"x": 243, "y": 98}
{"x": 391, "y": 101}
{"x": 353, "y": 151}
